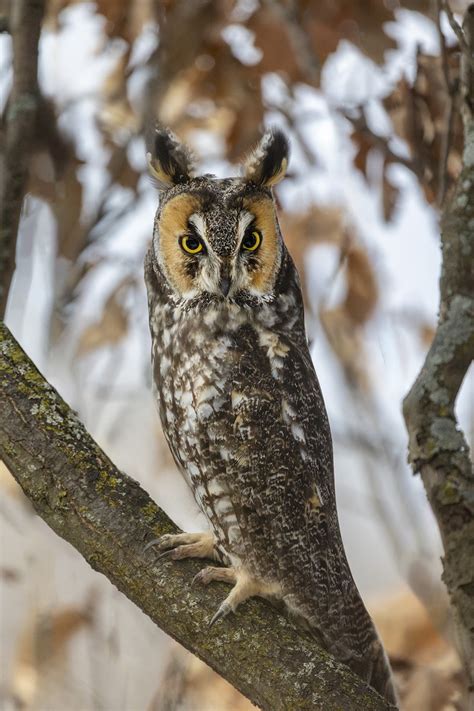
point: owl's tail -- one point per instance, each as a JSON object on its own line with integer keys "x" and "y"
{"x": 375, "y": 669}
{"x": 361, "y": 650}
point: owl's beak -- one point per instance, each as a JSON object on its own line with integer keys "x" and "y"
{"x": 224, "y": 283}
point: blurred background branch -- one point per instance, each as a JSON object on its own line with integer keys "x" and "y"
{"x": 24, "y": 25}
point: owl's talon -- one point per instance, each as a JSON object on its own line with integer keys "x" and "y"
{"x": 152, "y": 544}
{"x": 195, "y": 579}
{"x": 179, "y": 553}
{"x": 184, "y": 545}
{"x": 202, "y": 577}
{"x": 224, "y": 610}
{"x": 167, "y": 540}
{"x": 210, "y": 574}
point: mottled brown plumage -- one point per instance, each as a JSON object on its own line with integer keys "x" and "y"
{"x": 240, "y": 402}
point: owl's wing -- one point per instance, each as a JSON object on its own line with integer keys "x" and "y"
{"x": 283, "y": 471}
{"x": 281, "y": 474}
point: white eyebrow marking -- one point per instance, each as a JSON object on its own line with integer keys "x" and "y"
{"x": 245, "y": 219}
{"x": 198, "y": 222}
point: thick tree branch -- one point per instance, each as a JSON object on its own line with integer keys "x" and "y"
{"x": 437, "y": 448}
{"x": 24, "y": 25}
{"x": 108, "y": 518}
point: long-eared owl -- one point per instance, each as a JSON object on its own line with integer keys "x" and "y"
{"x": 240, "y": 403}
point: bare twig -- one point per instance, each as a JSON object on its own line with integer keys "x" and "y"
{"x": 446, "y": 137}
{"x": 25, "y": 25}
{"x": 467, "y": 66}
{"x": 108, "y": 518}
{"x": 455, "y": 26}
{"x": 442, "y": 46}
{"x": 445, "y": 148}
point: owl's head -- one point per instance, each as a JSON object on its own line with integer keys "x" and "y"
{"x": 218, "y": 238}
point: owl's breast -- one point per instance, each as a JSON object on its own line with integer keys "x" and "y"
{"x": 194, "y": 361}
{"x": 244, "y": 418}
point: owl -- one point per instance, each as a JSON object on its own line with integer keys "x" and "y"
{"x": 240, "y": 403}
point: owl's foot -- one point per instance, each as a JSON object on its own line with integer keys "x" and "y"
{"x": 244, "y": 587}
{"x": 208, "y": 575}
{"x": 185, "y": 545}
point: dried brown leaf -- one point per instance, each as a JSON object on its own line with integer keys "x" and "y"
{"x": 120, "y": 170}
{"x": 9, "y": 574}
{"x": 125, "y": 18}
{"x": 420, "y": 116}
{"x": 189, "y": 683}
{"x": 111, "y": 327}
{"x": 302, "y": 231}
{"x": 345, "y": 339}
{"x": 280, "y": 32}
{"x": 67, "y": 208}
{"x": 427, "y": 669}
{"x": 343, "y": 325}
{"x": 427, "y": 333}
{"x": 272, "y": 37}
{"x": 359, "y": 22}
{"x": 54, "y": 8}
{"x": 407, "y": 629}
{"x": 362, "y": 289}
{"x": 204, "y": 68}
{"x": 390, "y": 196}
{"x": 44, "y": 639}
{"x": 364, "y": 146}
{"x": 54, "y": 178}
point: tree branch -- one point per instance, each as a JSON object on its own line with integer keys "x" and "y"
{"x": 25, "y": 25}
{"x": 437, "y": 448}
{"x": 109, "y": 518}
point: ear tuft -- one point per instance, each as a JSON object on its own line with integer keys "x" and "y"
{"x": 169, "y": 161}
{"x": 268, "y": 162}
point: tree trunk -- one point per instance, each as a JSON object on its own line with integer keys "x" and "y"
{"x": 437, "y": 448}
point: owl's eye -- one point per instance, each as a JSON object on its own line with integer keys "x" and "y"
{"x": 191, "y": 244}
{"x": 251, "y": 241}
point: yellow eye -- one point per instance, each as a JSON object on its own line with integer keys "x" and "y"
{"x": 191, "y": 244}
{"x": 251, "y": 241}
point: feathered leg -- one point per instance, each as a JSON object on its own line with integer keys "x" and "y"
{"x": 203, "y": 545}
{"x": 245, "y": 587}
